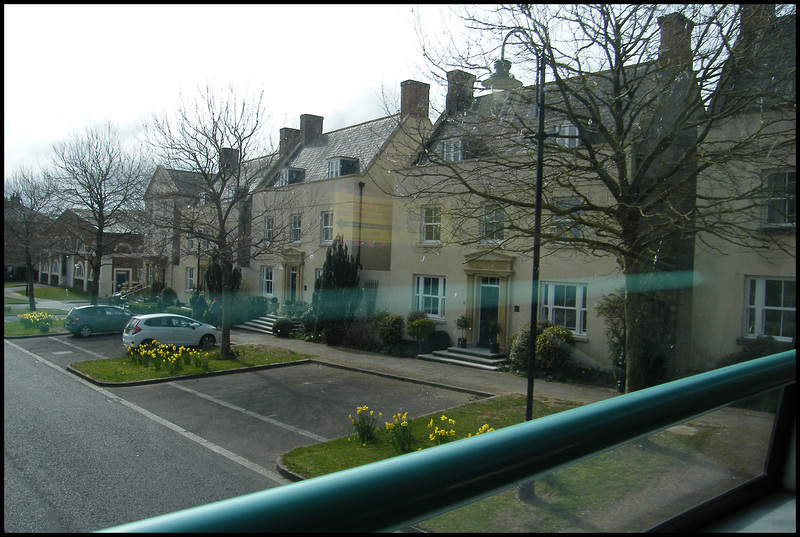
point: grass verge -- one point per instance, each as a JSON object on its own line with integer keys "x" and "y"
{"x": 124, "y": 369}
{"x": 17, "y": 329}
{"x": 344, "y": 453}
{"x": 579, "y": 498}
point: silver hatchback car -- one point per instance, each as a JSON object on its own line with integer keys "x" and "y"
{"x": 169, "y": 328}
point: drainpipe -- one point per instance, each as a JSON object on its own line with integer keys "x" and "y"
{"x": 360, "y": 207}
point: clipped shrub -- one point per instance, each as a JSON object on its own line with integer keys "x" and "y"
{"x": 186, "y": 312}
{"x": 258, "y": 306}
{"x": 155, "y": 288}
{"x": 421, "y": 330}
{"x": 754, "y": 348}
{"x": 168, "y": 296}
{"x": 334, "y": 332}
{"x": 141, "y": 308}
{"x": 283, "y": 327}
{"x": 520, "y": 347}
{"x": 299, "y": 309}
{"x": 415, "y": 315}
{"x": 439, "y": 340}
{"x": 359, "y": 334}
{"x": 554, "y": 348}
{"x": 391, "y": 329}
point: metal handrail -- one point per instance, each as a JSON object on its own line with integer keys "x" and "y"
{"x": 391, "y": 494}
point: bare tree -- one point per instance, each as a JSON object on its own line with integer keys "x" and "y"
{"x": 99, "y": 179}
{"x": 27, "y": 222}
{"x": 652, "y": 116}
{"x": 216, "y": 162}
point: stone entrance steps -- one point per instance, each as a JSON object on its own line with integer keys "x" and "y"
{"x": 476, "y": 357}
{"x": 263, "y": 324}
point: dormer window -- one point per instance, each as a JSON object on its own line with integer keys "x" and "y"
{"x": 290, "y": 176}
{"x": 339, "y": 166}
{"x": 453, "y": 150}
{"x": 568, "y": 136}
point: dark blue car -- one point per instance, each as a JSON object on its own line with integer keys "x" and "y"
{"x": 87, "y": 320}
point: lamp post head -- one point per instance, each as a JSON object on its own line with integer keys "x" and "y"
{"x": 501, "y": 79}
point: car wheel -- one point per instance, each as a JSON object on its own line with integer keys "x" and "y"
{"x": 146, "y": 343}
{"x": 207, "y": 341}
{"x": 85, "y": 331}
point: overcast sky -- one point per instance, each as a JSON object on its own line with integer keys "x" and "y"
{"x": 67, "y": 66}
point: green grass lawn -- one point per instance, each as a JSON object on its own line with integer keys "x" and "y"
{"x": 566, "y": 499}
{"x": 17, "y": 329}
{"x": 59, "y": 293}
{"x": 124, "y": 369}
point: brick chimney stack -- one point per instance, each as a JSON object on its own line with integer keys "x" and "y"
{"x": 289, "y": 139}
{"x": 756, "y": 20}
{"x": 459, "y": 91}
{"x": 415, "y": 99}
{"x": 310, "y": 127}
{"x": 676, "y": 41}
{"x": 228, "y": 159}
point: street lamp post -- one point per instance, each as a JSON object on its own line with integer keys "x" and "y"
{"x": 501, "y": 79}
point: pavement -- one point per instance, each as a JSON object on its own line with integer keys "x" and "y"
{"x": 434, "y": 373}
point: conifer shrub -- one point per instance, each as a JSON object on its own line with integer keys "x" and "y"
{"x": 283, "y": 327}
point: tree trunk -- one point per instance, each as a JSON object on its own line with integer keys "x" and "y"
{"x": 96, "y": 281}
{"x": 29, "y": 277}
{"x": 635, "y": 341}
{"x": 225, "y": 343}
{"x": 635, "y": 326}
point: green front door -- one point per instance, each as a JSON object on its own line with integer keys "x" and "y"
{"x": 489, "y": 300}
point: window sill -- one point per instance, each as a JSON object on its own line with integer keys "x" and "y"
{"x": 777, "y": 228}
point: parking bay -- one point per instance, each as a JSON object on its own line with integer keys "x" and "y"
{"x": 261, "y": 415}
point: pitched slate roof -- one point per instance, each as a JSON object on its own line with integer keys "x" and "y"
{"x": 363, "y": 142}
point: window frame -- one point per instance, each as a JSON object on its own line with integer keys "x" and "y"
{"x": 326, "y": 227}
{"x": 567, "y": 136}
{"x": 423, "y": 298}
{"x": 290, "y": 176}
{"x": 784, "y": 194}
{"x": 189, "y": 278}
{"x": 296, "y": 225}
{"x": 431, "y": 221}
{"x": 267, "y": 280}
{"x": 549, "y": 305}
{"x": 492, "y": 228}
{"x": 341, "y": 166}
{"x": 452, "y": 150}
{"x": 564, "y": 225}
{"x": 754, "y": 316}
{"x": 269, "y": 229}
